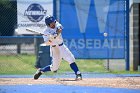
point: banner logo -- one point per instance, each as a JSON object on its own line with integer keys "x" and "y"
{"x": 82, "y": 9}
{"x": 35, "y": 12}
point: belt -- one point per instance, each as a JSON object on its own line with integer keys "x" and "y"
{"x": 58, "y": 45}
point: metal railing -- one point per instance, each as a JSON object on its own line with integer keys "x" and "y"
{"x": 19, "y": 44}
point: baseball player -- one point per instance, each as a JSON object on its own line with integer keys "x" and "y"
{"x": 52, "y": 36}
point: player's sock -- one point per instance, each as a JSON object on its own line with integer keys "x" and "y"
{"x": 74, "y": 68}
{"x": 47, "y": 68}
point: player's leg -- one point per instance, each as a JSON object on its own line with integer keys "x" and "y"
{"x": 74, "y": 67}
{"x": 56, "y": 59}
{"x": 69, "y": 57}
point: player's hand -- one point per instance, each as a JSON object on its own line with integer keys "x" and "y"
{"x": 55, "y": 35}
{"x": 59, "y": 30}
{"x": 48, "y": 43}
{"x": 51, "y": 37}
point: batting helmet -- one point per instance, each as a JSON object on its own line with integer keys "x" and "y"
{"x": 49, "y": 19}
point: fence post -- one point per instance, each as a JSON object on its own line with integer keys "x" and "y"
{"x": 36, "y": 45}
{"x": 127, "y": 36}
{"x": 18, "y": 48}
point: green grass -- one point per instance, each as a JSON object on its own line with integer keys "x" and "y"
{"x": 17, "y": 64}
{"x": 85, "y": 65}
{"x": 24, "y": 64}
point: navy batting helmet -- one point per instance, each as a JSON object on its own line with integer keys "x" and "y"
{"x": 49, "y": 19}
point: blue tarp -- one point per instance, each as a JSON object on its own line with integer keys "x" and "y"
{"x": 86, "y": 21}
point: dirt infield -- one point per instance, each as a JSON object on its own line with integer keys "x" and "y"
{"x": 127, "y": 82}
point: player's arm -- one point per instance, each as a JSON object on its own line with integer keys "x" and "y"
{"x": 47, "y": 39}
{"x": 59, "y": 30}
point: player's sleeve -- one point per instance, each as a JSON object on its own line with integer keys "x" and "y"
{"x": 46, "y": 39}
{"x": 45, "y": 36}
{"x": 59, "y": 26}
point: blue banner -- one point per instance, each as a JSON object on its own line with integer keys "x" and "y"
{"x": 94, "y": 28}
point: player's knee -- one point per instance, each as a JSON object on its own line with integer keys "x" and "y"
{"x": 72, "y": 60}
{"x": 54, "y": 69}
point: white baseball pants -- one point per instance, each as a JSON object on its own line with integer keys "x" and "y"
{"x": 59, "y": 52}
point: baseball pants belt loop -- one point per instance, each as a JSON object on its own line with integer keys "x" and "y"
{"x": 58, "y": 45}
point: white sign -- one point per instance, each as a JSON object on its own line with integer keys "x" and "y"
{"x": 32, "y": 13}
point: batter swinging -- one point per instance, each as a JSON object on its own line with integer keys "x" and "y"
{"x": 52, "y": 36}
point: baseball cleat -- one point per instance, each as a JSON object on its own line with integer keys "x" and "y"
{"x": 78, "y": 77}
{"x": 37, "y": 74}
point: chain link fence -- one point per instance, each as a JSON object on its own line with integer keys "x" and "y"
{"x": 8, "y": 16}
{"x": 19, "y": 52}
{"x": 19, "y": 45}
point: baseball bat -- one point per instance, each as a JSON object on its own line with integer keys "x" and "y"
{"x": 34, "y": 31}
{"x": 37, "y": 32}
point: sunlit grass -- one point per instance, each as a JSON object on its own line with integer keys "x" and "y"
{"x": 24, "y": 64}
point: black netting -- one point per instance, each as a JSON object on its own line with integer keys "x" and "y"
{"x": 8, "y": 16}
